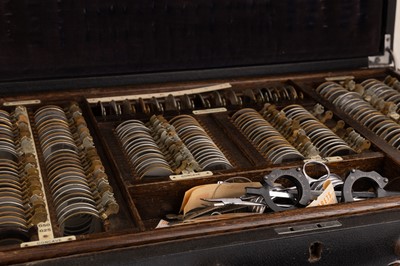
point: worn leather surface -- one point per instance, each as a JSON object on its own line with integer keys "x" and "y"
{"x": 52, "y": 39}
{"x": 368, "y": 239}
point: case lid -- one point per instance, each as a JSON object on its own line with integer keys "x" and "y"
{"x": 187, "y": 39}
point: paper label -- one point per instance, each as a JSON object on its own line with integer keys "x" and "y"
{"x": 161, "y": 94}
{"x": 26, "y": 102}
{"x": 210, "y": 111}
{"x": 191, "y": 175}
{"x": 327, "y": 197}
{"x": 324, "y": 160}
{"x": 193, "y": 196}
{"x": 48, "y": 242}
{"x": 162, "y": 224}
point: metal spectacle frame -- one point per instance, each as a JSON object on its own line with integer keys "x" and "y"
{"x": 296, "y": 177}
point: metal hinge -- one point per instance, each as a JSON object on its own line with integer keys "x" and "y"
{"x": 385, "y": 59}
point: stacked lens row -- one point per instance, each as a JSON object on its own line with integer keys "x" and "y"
{"x": 272, "y": 94}
{"x": 214, "y": 99}
{"x": 290, "y": 129}
{"x": 162, "y": 148}
{"x": 327, "y": 142}
{"x": 13, "y": 207}
{"x": 265, "y": 137}
{"x": 22, "y": 205}
{"x": 178, "y": 155}
{"x": 76, "y": 193}
{"x": 141, "y": 149}
{"x": 354, "y": 105}
{"x": 92, "y": 163}
{"x": 374, "y": 87}
{"x": 205, "y": 151}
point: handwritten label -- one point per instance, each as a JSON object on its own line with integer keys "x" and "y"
{"x": 26, "y": 102}
{"x": 161, "y": 94}
{"x": 48, "y": 242}
{"x": 191, "y": 175}
{"x": 209, "y": 111}
{"x": 327, "y": 197}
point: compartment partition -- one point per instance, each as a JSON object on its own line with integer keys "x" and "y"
{"x": 145, "y": 201}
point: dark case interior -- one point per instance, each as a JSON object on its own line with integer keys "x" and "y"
{"x": 99, "y": 54}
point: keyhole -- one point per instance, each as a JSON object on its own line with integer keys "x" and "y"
{"x": 315, "y": 250}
